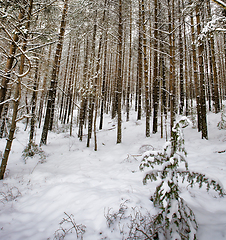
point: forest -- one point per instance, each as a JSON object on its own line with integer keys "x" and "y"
{"x": 109, "y": 72}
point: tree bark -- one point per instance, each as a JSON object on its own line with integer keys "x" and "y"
{"x": 155, "y": 71}
{"x": 195, "y": 70}
{"x": 147, "y": 105}
{"x": 9, "y": 65}
{"x": 130, "y": 66}
{"x": 51, "y": 97}
{"x": 139, "y": 65}
{"x": 202, "y": 80}
{"x": 119, "y": 78}
{"x": 17, "y": 97}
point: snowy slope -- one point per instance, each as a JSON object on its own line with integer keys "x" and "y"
{"x": 76, "y": 180}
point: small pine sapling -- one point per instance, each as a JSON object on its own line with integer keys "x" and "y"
{"x": 175, "y": 219}
{"x": 222, "y": 123}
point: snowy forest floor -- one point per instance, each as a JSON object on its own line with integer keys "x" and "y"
{"x": 91, "y": 186}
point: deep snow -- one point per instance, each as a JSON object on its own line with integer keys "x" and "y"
{"x": 34, "y": 197}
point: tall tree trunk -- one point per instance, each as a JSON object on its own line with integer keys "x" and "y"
{"x": 119, "y": 78}
{"x": 202, "y": 80}
{"x": 4, "y": 115}
{"x": 195, "y": 70}
{"x": 9, "y": 65}
{"x": 155, "y": 71}
{"x": 129, "y": 67}
{"x": 139, "y": 65}
{"x": 147, "y": 106}
{"x": 92, "y": 91}
{"x": 70, "y": 86}
{"x": 212, "y": 60}
{"x": 181, "y": 60}
{"x": 17, "y": 95}
{"x": 150, "y": 60}
{"x": 43, "y": 93}
{"x": 75, "y": 86}
{"x": 53, "y": 85}
{"x": 186, "y": 65}
{"x": 12, "y": 130}
{"x": 113, "y": 95}
{"x": 72, "y": 76}
{"x": 65, "y": 78}
{"x": 97, "y": 80}
{"x": 83, "y": 105}
{"x": 33, "y": 104}
{"x": 104, "y": 89}
{"x": 172, "y": 81}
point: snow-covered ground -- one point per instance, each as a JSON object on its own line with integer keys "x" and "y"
{"x": 34, "y": 197}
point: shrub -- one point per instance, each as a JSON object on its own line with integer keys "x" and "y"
{"x": 67, "y": 226}
{"x": 33, "y": 149}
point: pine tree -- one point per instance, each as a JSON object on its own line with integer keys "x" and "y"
{"x": 175, "y": 219}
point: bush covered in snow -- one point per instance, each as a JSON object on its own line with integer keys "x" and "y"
{"x": 33, "y": 149}
{"x": 175, "y": 219}
{"x": 222, "y": 123}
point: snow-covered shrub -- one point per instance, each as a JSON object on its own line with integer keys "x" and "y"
{"x": 31, "y": 150}
{"x": 175, "y": 219}
{"x": 222, "y": 123}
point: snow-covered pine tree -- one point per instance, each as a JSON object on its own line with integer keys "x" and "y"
{"x": 222, "y": 123}
{"x": 175, "y": 219}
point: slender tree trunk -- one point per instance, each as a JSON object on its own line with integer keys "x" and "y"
{"x": 181, "y": 54}
{"x": 155, "y": 72}
{"x": 119, "y": 79}
{"x": 33, "y": 105}
{"x": 172, "y": 80}
{"x": 195, "y": 70}
{"x": 75, "y": 84}
{"x": 113, "y": 95}
{"x": 51, "y": 98}
{"x": 147, "y": 106}
{"x": 65, "y": 79}
{"x": 43, "y": 93}
{"x": 202, "y": 80}
{"x": 97, "y": 81}
{"x": 163, "y": 93}
{"x": 72, "y": 76}
{"x": 4, "y": 115}
{"x": 12, "y": 130}
{"x": 150, "y": 61}
{"x": 92, "y": 92}
{"x": 139, "y": 65}
{"x": 212, "y": 60}
{"x": 104, "y": 89}
{"x": 186, "y": 65}
{"x": 83, "y": 105}
{"x": 9, "y": 65}
{"x": 129, "y": 67}
{"x": 17, "y": 97}
{"x": 69, "y": 87}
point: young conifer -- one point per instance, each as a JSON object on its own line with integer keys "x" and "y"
{"x": 175, "y": 219}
